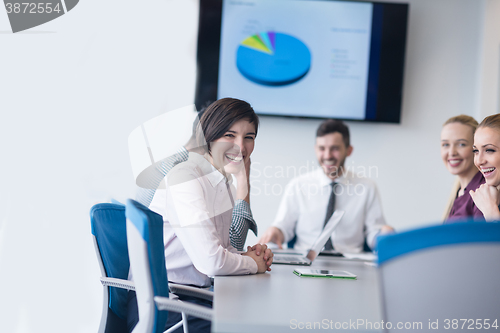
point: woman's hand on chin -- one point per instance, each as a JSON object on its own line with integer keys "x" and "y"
{"x": 487, "y": 199}
{"x": 243, "y": 179}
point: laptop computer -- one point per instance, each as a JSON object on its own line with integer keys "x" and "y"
{"x": 306, "y": 258}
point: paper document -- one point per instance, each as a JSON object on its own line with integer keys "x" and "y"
{"x": 362, "y": 256}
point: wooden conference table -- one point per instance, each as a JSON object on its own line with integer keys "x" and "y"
{"x": 279, "y": 301}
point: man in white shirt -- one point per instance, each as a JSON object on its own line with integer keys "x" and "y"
{"x": 310, "y": 199}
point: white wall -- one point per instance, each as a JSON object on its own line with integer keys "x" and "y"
{"x": 72, "y": 90}
{"x": 488, "y": 89}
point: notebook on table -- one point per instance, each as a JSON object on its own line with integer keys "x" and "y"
{"x": 307, "y": 257}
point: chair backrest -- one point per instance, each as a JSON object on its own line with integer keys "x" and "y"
{"x": 440, "y": 273}
{"x": 147, "y": 260}
{"x": 110, "y": 239}
{"x": 291, "y": 242}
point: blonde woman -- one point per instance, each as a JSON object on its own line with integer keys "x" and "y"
{"x": 457, "y": 138}
{"x": 487, "y": 160}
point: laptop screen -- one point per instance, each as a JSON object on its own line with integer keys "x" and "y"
{"x": 325, "y": 234}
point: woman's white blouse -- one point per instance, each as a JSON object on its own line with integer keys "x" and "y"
{"x": 197, "y": 208}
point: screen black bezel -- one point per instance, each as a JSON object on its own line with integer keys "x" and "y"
{"x": 389, "y": 94}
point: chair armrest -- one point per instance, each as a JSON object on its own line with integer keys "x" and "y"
{"x": 180, "y": 289}
{"x": 119, "y": 283}
{"x": 199, "y": 311}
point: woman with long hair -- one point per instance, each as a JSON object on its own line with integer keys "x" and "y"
{"x": 487, "y": 160}
{"x": 457, "y": 138}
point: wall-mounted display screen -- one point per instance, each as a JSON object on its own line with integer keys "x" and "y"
{"x": 304, "y": 58}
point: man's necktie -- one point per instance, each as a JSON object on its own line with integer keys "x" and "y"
{"x": 329, "y": 213}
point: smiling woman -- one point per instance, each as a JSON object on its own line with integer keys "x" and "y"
{"x": 229, "y": 128}
{"x": 457, "y": 137}
{"x": 487, "y": 160}
{"x": 198, "y": 202}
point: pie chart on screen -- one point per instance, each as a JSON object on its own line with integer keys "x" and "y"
{"x": 273, "y": 59}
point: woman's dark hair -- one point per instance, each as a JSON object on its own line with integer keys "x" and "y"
{"x": 220, "y": 116}
{"x": 331, "y": 126}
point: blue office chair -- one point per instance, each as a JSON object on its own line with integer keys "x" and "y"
{"x": 147, "y": 260}
{"x": 440, "y": 273}
{"x": 110, "y": 241}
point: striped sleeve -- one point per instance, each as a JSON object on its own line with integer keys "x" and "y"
{"x": 242, "y": 221}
